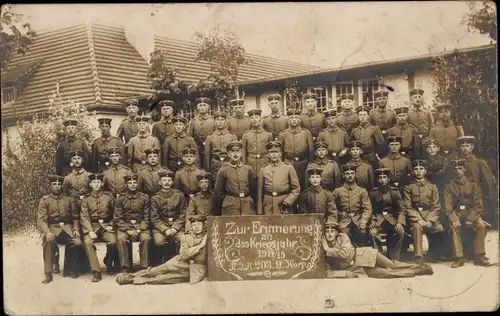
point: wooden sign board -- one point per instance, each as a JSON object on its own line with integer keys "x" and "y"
{"x": 265, "y": 247}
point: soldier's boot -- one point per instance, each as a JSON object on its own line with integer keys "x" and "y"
{"x": 55, "y": 268}
{"x": 424, "y": 269}
{"x": 112, "y": 254}
{"x": 73, "y": 262}
{"x": 124, "y": 270}
{"x": 459, "y": 262}
{"x": 96, "y": 277}
{"x": 48, "y": 278}
{"x": 124, "y": 278}
{"x": 481, "y": 261}
{"x": 419, "y": 260}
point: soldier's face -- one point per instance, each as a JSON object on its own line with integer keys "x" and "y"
{"x": 350, "y": 176}
{"x": 381, "y": 101}
{"x": 466, "y": 149}
{"x": 197, "y": 227}
{"x": 275, "y": 156}
{"x": 202, "y": 108}
{"x": 355, "y": 152}
{"x": 310, "y": 104}
{"x": 189, "y": 159}
{"x": 315, "y": 180}
{"x": 71, "y": 130}
{"x": 294, "y": 120}
{"x": 459, "y": 170}
{"x": 167, "y": 110}
{"x": 346, "y": 104}
{"x": 394, "y": 147}
{"x": 179, "y": 127}
{"x": 220, "y": 122}
{"x": 417, "y": 99}
{"x": 235, "y": 154}
{"x": 363, "y": 116}
{"x": 95, "y": 184}
{"x": 255, "y": 120}
{"x": 166, "y": 182}
{"x": 432, "y": 149}
{"x": 132, "y": 110}
{"x": 105, "y": 128}
{"x": 383, "y": 180}
{"x": 445, "y": 114}
{"x": 115, "y": 158}
{"x": 76, "y": 161}
{"x": 330, "y": 234}
{"x": 274, "y": 105}
{"x": 321, "y": 152}
{"x": 239, "y": 109}
{"x": 331, "y": 121}
{"x": 419, "y": 172}
{"x": 55, "y": 187}
{"x": 142, "y": 126}
{"x": 132, "y": 185}
{"x": 204, "y": 185}
{"x": 153, "y": 159}
{"x": 402, "y": 117}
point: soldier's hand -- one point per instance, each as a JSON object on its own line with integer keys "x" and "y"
{"x": 457, "y": 224}
{"x": 109, "y": 228}
{"x": 132, "y": 233}
{"x": 49, "y": 237}
{"x": 373, "y": 231}
{"x": 362, "y": 226}
{"x": 422, "y": 223}
{"x": 428, "y": 224}
{"x": 399, "y": 229}
{"x": 92, "y": 235}
{"x": 76, "y": 234}
{"x": 169, "y": 232}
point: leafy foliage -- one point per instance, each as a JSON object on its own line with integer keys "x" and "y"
{"x": 482, "y": 19}
{"x": 292, "y": 94}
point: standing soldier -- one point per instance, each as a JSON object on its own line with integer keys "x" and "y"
{"x": 388, "y": 215}
{"x": 97, "y": 223}
{"x": 421, "y": 201}
{"x": 312, "y": 120}
{"x": 348, "y": 119}
{"x": 175, "y": 144}
{"x": 201, "y": 126}
{"x": 445, "y": 132}
{"x": 354, "y": 207}
{"x": 128, "y": 127}
{"x": 254, "y": 142}
{"x": 399, "y": 165}
{"x": 201, "y": 202}
{"x": 381, "y": 116}
{"x": 368, "y": 135}
{"x": 331, "y": 176}
{"x": 140, "y": 143}
{"x": 216, "y": 142}
{"x": 418, "y": 117}
{"x": 165, "y": 127}
{"x": 101, "y": 145}
{"x": 463, "y": 205}
{"x": 275, "y": 123}
{"x": 238, "y": 123}
{"x": 364, "y": 171}
{"x": 114, "y": 180}
{"x": 70, "y": 143}
{"x": 131, "y": 216}
{"x": 234, "y": 192}
{"x": 410, "y": 146}
{"x": 315, "y": 199}
{"x": 335, "y": 137}
{"x": 58, "y": 221}
{"x": 186, "y": 179}
{"x": 278, "y": 185}
{"x": 149, "y": 181}
{"x": 297, "y": 145}
{"x": 167, "y": 216}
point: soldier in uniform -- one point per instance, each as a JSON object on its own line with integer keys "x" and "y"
{"x": 201, "y": 202}
{"x": 149, "y": 181}
{"x": 315, "y": 199}
{"x": 364, "y": 171}
{"x": 278, "y": 185}
{"x": 168, "y": 212}
{"x": 131, "y": 216}
{"x": 188, "y": 266}
{"x": 235, "y": 192}
{"x": 312, "y": 120}
{"x": 97, "y": 223}
{"x": 165, "y": 127}
{"x": 70, "y": 143}
{"x": 186, "y": 179}
{"x": 388, "y": 215}
{"x": 331, "y": 176}
{"x": 101, "y": 145}
{"x": 354, "y": 207}
{"x": 418, "y": 117}
{"x": 410, "y": 146}
{"x": 446, "y": 132}
{"x": 175, "y": 144}
{"x": 128, "y": 127}
{"x": 348, "y": 118}
{"x": 381, "y": 116}
{"x": 421, "y": 202}
{"x": 201, "y": 126}
{"x": 335, "y": 137}
{"x": 114, "y": 180}
{"x": 297, "y": 145}
{"x": 254, "y": 142}
{"x": 238, "y": 123}
{"x": 368, "y": 135}
{"x": 216, "y": 142}
{"x": 275, "y": 123}
{"x": 58, "y": 222}
{"x": 463, "y": 205}
{"x": 140, "y": 143}
{"x": 399, "y": 165}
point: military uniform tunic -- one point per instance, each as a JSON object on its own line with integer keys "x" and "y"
{"x": 384, "y": 118}
{"x": 172, "y": 150}
{"x": 411, "y": 141}
{"x": 185, "y": 180}
{"x": 168, "y": 210}
{"x": 64, "y": 147}
{"x": 298, "y": 149}
{"x": 216, "y": 143}
{"x": 318, "y": 200}
{"x": 446, "y": 135}
{"x": 113, "y": 179}
{"x": 336, "y": 140}
{"x": 400, "y": 167}
{"x": 136, "y": 147}
{"x": 199, "y": 128}
{"x": 238, "y": 125}
{"x": 127, "y": 130}
{"x": 370, "y": 137}
{"x": 275, "y": 124}
{"x": 76, "y": 184}
{"x": 163, "y": 129}
{"x": 254, "y": 148}
{"x": 99, "y": 151}
{"x": 364, "y": 174}
{"x": 331, "y": 177}
{"x": 422, "y": 120}
{"x": 199, "y": 204}
{"x": 313, "y": 121}
{"x": 148, "y": 180}
{"x": 348, "y": 120}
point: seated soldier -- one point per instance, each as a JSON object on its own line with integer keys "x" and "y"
{"x": 316, "y": 199}
{"x": 341, "y": 258}
{"x": 188, "y": 266}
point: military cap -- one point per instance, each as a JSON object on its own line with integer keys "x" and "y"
{"x": 458, "y": 163}
{"x": 204, "y": 176}
{"x": 234, "y": 145}
{"x": 312, "y": 96}
{"x": 189, "y": 150}
{"x": 168, "y": 173}
{"x": 273, "y": 146}
{"x": 320, "y": 145}
{"x": 203, "y": 100}
{"x": 431, "y": 141}
{"x": 354, "y": 144}
{"x": 166, "y": 103}
{"x": 198, "y": 218}
{"x": 401, "y": 109}
{"x": 273, "y": 97}
{"x": 293, "y": 112}
{"x": 56, "y": 178}
{"x": 363, "y": 108}
{"x": 237, "y": 102}
{"x": 382, "y": 171}
{"x": 129, "y": 102}
{"x": 220, "y": 114}
{"x": 254, "y": 112}
{"x": 466, "y": 140}
{"x": 444, "y": 106}
{"x": 96, "y": 176}
{"x": 114, "y": 150}
{"x": 394, "y": 138}
{"x": 316, "y": 171}
{"x": 104, "y": 121}
{"x": 378, "y": 94}
{"x": 148, "y": 152}
{"x": 348, "y": 96}
{"x": 416, "y": 91}
{"x": 419, "y": 163}
{"x": 76, "y": 153}
{"x": 330, "y": 113}
{"x": 142, "y": 118}
{"x": 330, "y": 223}
{"x": 348, "y": 167}
{"x": 129, "y": 177}
{"x": 179, "y": 118}
{"x": 70, "y": 122}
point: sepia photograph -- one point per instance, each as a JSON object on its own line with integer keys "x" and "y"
{"x": 243, "y": 158}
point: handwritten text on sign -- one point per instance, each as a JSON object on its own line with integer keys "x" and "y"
{"x": 265, "y": 247}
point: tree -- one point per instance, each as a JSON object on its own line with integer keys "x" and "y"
{"x": 482, "y": 18}
{"x": 292, "y": 94}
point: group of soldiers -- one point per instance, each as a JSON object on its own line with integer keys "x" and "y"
{"x": 371, "y": 172}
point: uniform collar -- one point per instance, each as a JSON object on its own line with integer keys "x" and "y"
{"x": 97, "y": 194}
{"x": 70, "y": 138}
{"x": 322, "y": 161}
{"x": 221, "y": 131}
{"x": 356, "y": 163}
{"x": 275, "y": 115}
{"x": 384, "y": 189}
{"x": 257, "y": 130}
{"x": 131, "y": 119}
{"x": 311, "y": 113}
{"x": 190, "y": 168}
{"x": 276, "y": 164}
{"x": 153, "y": 168}
{"x": 421, "y": 183}
{"x": 167, "y": 193}
{"x": 146, "y": 134}
{"x": 469, "y": 158}
{"x": 295, "y": 130}
{"x": 350, "y": 187}
{"x": 181, "y": 135}
{"x": 206, "y": 195}
{"x": 333, "y": 129}
{"x": 347, "y": 112}
{"x": 57, "y": 197}
{"x": 107, "y": 139}
{"x": 166, "y": 120}
{"x": 416, "y": 109}
{"x": 316, "y": 189}
{"x": 403, "y": 125}
{"x": 132, "y": 195}
{"x": 204, "y": 117}
{"x": 461, "y": 180}
{"x": 393, "y": 156}
{"x": 239, "y": 116}
{"x": 76, "y": 172}
{"x": 237, "y": 165}
{"x": 364, "y": 125}
{"x": 446, "y": 124}
{"x": 380, "y": 109}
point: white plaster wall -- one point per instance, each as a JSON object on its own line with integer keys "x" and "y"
{"x": 263, "y": 101}
{"x": 424, "y": 81}
{"x": 399, "y": 83}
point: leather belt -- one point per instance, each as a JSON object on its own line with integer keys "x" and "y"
{"x": 239, "y": 195}
{"x": 258, "y": 155}
{"x": 275, "y": 194}
{"x": 101, "y": 220}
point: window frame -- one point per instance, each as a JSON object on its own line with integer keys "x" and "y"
{"x": 12, "y": 91}
{"x": 361, "y": 91}
{"x": 319, "y": 106}
{"x": 334, "y": 91}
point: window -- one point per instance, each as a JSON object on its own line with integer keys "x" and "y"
{"x": 8, "y": 94}
{"x": 342, "y": 88}
{"x": 322, "y": 94}
{"x": 368, "y": 88}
